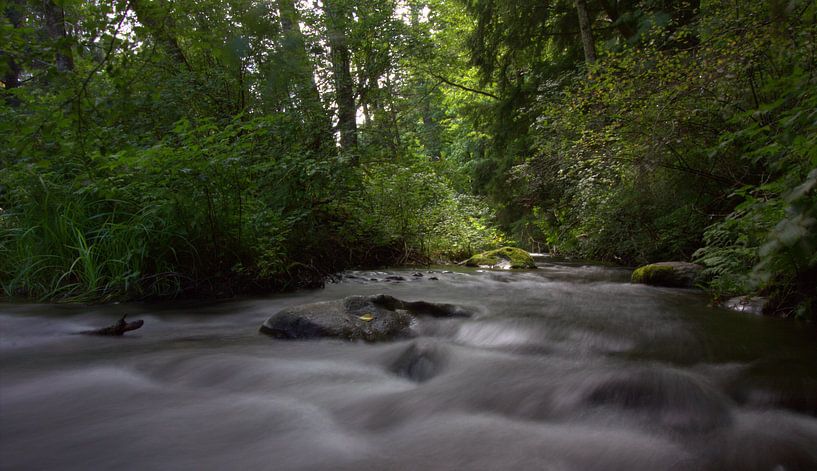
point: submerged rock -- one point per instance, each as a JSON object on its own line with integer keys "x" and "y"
{"x": 664, "y": 397}
{"x": 419, "y": 362}
{"x": 504, "y": 258}
{"x": 672, "y": 274}
{"x": 370, "y": 318}
{"x": 748, "y": 304}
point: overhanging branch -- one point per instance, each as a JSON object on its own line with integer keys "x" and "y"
{"x": 462, "y": 87}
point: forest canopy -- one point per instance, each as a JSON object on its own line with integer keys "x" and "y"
{"x": 158, "y": 148}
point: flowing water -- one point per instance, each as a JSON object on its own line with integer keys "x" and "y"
{"x": 567, "y": 367}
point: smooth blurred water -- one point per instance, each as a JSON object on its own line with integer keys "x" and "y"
{"x": 567, "y": 367}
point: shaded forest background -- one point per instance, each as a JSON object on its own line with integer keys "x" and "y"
{"x": 157, "y": 148}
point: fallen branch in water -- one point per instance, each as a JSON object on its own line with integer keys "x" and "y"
{"x": 117, "y": 329}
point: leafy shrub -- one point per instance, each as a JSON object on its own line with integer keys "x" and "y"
{"x": 414, "y": 206}
{"x": 659, "y": 151}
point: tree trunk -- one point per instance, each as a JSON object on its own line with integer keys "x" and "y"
{"x": 154, "y": 15}
{"x": 54, "y": 17}
{"x": 431, "y": 128}
{"x": 395, "y": 140}
{"x": 337, "y": 19}
{"x": 587, "y": 34}
{"x": 11, "y": 77}
{"x": 302, "y": 80}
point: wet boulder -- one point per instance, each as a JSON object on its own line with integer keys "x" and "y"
{"x": 420, "y": 362}
{"x": 370, "y": 318}
{"x": 748, "y": 304}
{"x": 664, "y": 397}
{"x": 504, "y": 258}
{"x": 671, "y": 274}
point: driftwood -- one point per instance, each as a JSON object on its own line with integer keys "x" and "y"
{"x": 117, "y": 329}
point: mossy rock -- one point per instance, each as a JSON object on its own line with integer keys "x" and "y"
{"x": 671, "y": 274}
{"x": 371, "y": 318}
{"x": 505, "y": 257}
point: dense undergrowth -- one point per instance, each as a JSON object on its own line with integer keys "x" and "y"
{"x": 158, "y": 148}
{"x": 694, "y": 140}
{"x": 221, "y": 209}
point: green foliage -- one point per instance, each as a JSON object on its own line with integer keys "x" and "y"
{"x": 767, "y": 242}
{"x": 214, "y": 206}
{"x": 788, "y": 259}
{"x": 161, "y": 147}
{"x": 60, "y": 243}
{"x": 153, "y": 221}
{"x": 414, "y": 206}
{"x": 189, "y": 149}
{"x": 691, "y": 137}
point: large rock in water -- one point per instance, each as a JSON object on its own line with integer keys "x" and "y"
{"x": 505, "y": 258}
{"x": 672, "y": 274}
{"x": 371, "y": 318}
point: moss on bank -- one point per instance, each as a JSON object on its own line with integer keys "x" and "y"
{"x": 508, "y": 257}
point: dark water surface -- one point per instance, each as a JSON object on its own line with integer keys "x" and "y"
{"x": 568, "y": 367}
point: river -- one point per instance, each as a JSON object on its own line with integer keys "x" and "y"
{"x": 568, "y": 367}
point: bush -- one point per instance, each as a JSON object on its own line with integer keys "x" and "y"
{"x": 219, "y": 209}
{"x": 414, "y": 206}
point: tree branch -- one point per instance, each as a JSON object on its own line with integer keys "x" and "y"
{"x": 462, "y": 87}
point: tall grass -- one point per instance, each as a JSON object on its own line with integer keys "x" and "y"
{"x": 65, "y": 245}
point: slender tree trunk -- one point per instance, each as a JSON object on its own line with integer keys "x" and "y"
{"x": 302, "y": 83}
{"x": 394, "y": 142}
{"x": 242, "y": 95}
{"x": 337, "y": 19}
{"x": 587, "y": 34}
{"x": 11, "y": 78}
{"x": 431, "y": 129}
{"x": 154, "y": 15}
{"x": 54, "y": 17}
{"x": 295, "y": 46}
